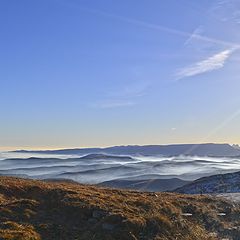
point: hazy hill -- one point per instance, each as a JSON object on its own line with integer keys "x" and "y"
{"x": 152, "y": 185}
{"x": 106, "y": 157}
{"x": 209, "y": 149}
{"x": 220, "y": 183}
{"x": 34, "y": 210}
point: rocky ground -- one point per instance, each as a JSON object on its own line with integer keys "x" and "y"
{"x": 34, "y": 210}
{"x": 234, "y": 197}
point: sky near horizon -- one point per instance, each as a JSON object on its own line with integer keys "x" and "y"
{"x": 82, "y": 73}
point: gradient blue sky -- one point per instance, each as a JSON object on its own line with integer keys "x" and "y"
{"x": 80, "y": 73}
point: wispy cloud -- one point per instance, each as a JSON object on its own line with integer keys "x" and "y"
{"x": 114, "y": 104}
{"x": 227, "y": 11}
{"x": 129, "y": 91}
{"x": 126, "y": 96}
{"x": 214, "y": 62}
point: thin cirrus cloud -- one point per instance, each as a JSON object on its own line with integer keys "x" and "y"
{"x": 212, "y": 63}
{"x": 227, "y": 11}
{"x": 114, "y": 104}
{"x": 124, "y": 97}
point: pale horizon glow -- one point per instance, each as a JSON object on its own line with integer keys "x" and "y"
{"x": 12, "y": 148}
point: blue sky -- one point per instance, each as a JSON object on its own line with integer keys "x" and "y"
{"x": 79, "y": 73}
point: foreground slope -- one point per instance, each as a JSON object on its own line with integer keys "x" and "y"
{"x": 42, "y": 210}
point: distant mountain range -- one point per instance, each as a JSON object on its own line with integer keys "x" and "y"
{"x": 122, "y": 167}
{"x": 220, "y": 183}
{"x": 207, "y": 149}
{"x": 106, "y": 157}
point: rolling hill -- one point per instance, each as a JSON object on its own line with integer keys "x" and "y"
{"x": 220, "y": 183}
{"x": 151, "y": 185}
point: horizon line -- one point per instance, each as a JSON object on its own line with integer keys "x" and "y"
{"x": 12, "y": 149}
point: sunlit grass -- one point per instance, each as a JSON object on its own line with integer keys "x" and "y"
{"x": 39, "y": 210}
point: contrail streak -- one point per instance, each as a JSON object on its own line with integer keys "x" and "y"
{"x": 154, "y": 26}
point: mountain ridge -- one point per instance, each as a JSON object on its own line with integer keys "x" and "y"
{"x": 203, "y": 149}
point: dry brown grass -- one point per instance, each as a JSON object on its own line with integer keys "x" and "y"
{"x": 32, "y": 210}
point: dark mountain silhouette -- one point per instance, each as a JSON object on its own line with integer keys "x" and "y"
{"x": 104, "y": 156}
{"x": 152, "y": 185}
{"x": 207, "y": 149}
{"x": 220, "y": 183}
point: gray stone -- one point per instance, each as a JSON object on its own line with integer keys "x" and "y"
{"x": 98, "y": 214}
{"x": 92, "y": 220}
{"x": 108, "y": 226}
